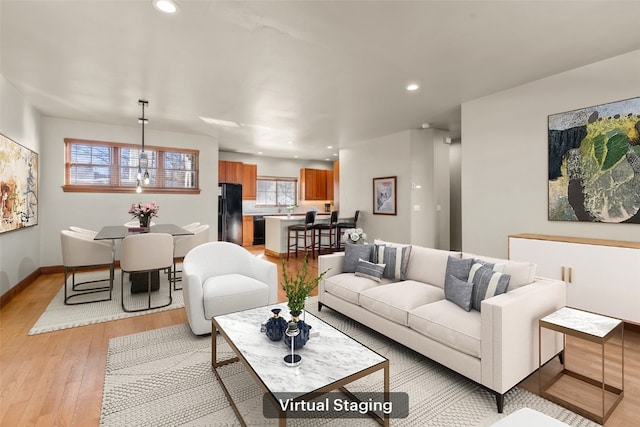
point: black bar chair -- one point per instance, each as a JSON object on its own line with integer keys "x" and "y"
{"x": 345, "y": 226}
{"x": 304, "y": 231}
{"x": 329, "y": 231}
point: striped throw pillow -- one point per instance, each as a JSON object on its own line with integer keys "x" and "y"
{"x": 486, "y": 284}
{"x": 396, "y": 259}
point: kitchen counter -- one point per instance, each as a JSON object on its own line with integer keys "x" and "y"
{"x": 276, "y": 233}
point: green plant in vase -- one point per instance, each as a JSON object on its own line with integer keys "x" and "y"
{"x": 297, "y": 287}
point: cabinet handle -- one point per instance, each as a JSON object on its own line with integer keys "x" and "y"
{"x": 570, "y": 274}
{"x": 562, "y": 274}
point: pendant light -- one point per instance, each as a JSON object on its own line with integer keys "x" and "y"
{"x": 143, "y": 160}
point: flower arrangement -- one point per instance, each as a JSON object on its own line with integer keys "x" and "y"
{"x": 297, "y": 288}
{"x": 144, "y": 212}
{"x": 354, "y": 235}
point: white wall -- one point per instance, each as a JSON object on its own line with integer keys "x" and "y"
{"x": 94, "y": 210}
{"x": 19, "y": 249}
{"x": 504, "y": 154}
{"x": 411, "y": 156}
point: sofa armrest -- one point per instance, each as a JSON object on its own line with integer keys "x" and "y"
{"x": 510, "y": 332}
{"x": 332, "y": 264}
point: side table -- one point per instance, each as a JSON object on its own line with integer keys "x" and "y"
{"x": 594, "y": 328}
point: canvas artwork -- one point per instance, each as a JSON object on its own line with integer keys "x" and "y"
{"x": 594, "y": 164}
{"x": 18, "y": 186}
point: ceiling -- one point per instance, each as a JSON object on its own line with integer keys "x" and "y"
{"x": 313, "y": 73}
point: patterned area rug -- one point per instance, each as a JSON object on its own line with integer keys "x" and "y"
{"x": 60, "y": 316}
{"x": 163, "y": 378}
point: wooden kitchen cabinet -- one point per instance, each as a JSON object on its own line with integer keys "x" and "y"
{"x": 230, "y": 172}
{"x": 602, "y": 276}
{"x": 314, "y": 184}
{"x": 249, "y": 178}
{"x": 247, "y": 230}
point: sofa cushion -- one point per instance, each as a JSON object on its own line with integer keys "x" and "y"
{"x": 521, "y": 272}
{"x": 429, "y": 265}
{"x": 352, "y": 253}
{"x": 395, "y": 300}
{"x": 486, "y": 284}
{"x": 234, "y": 292}
{"x": 396, "y": 259}
{"x": 459, "y": 292}
{"x": 369, "y": 270}
{"x": 347, "y": 286}
{"x": 445, "y": 322}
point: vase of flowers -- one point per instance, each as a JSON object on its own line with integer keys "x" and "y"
{"x": 354, "y": 235}
{"x": 144, "y": 212}
{"x": 290, "y": 210}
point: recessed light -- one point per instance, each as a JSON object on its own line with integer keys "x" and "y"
{"x": 289, "y": 142}
{"x": 411, "y": 87}
{"x": 296, "y": 156}
{"x": 329, "y": 147}
{"x": 259, "y": 152}
{"x": 165, "y": 6}
{"x": 335, "y": 154}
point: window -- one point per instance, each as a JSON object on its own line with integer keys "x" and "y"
{"x": 276, "y": 191}
{"x": 94, "y": 166}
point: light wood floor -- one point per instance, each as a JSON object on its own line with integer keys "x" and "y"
{"x": 56, "y": 379}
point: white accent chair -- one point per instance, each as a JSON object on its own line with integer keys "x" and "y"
{"x": 145, "y": 253}
{"x": 86, "y": 231}
{"x": 79, "y": 250}
{"x": 183, "y": 244}
{"x": 191, "y": 227}
{"x": 221, "y": 278}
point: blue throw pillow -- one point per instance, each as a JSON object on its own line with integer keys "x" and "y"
{"x": 458, "y": 268}
{"x": 486, "y": 284}
{"x": 396, "y": 259}
{"x": 459, "y": 292}
{"x": 369, "y": 270}
{"x": 354, "y": 252}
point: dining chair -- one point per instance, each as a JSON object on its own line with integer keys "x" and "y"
{"x": 191, "y": 227}
{"x": 146, "y": 253}
{"x": 86, "y": 231}
{"x": 183, "y": 244}
{"x": 80, "y": 251}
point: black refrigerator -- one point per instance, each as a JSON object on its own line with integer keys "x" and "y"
{"x": 230, "y": 213}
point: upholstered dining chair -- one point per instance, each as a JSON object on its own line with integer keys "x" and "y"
{"x": 146, "y": 253}
{"x": 86, "y": 231}
{"x": 191, "y": 227}
{"x": 79, "y": 250}
{"x": 221, "y": 278}
{"x": 183, "y": 244}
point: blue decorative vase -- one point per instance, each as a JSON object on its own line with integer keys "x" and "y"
{"x": 301, "y": 339}
{"x": 276, "y": 326}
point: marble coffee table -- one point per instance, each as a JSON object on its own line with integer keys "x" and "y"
{"x": 330, "y": 360}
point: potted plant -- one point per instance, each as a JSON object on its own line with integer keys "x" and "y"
{"x": 298, "y": 287}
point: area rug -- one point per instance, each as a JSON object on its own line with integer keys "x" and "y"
{"x": 163, "y": 378}
{"x": 59, "y": 316}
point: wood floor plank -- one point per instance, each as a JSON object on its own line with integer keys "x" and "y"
{"x": 57, "y": 378}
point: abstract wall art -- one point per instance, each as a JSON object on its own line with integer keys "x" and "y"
{"x": 18, "y": 186}
{"x": 594, "y": 164}
{"x": 384, "y": 196}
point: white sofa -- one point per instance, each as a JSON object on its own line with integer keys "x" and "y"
{"x": 221, "y": 278}
{"x": 496, "y": 347}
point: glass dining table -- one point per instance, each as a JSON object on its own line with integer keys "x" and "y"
{"x": 139, "y": 281}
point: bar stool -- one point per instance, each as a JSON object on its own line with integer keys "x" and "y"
{"x": 327, "y": 230}
{"x": 304, "y": 231}
{"x": 345, "y": 226}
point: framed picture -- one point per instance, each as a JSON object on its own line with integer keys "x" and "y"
{"x": 18, "y": 186}
{"x": 594, "y": 164}
{"x": 384, "y": 196}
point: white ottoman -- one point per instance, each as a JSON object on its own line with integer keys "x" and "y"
{"x": 527, "y": 417}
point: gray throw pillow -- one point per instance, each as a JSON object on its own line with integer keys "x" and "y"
{"x": 459, "y": 292}
{"x": 396, "y": 259}
{"x": 486, "y": 284}
{"x": 458, "y": 268}
{"x": 369, "y": 270}
{"x": 352, "y": 253}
